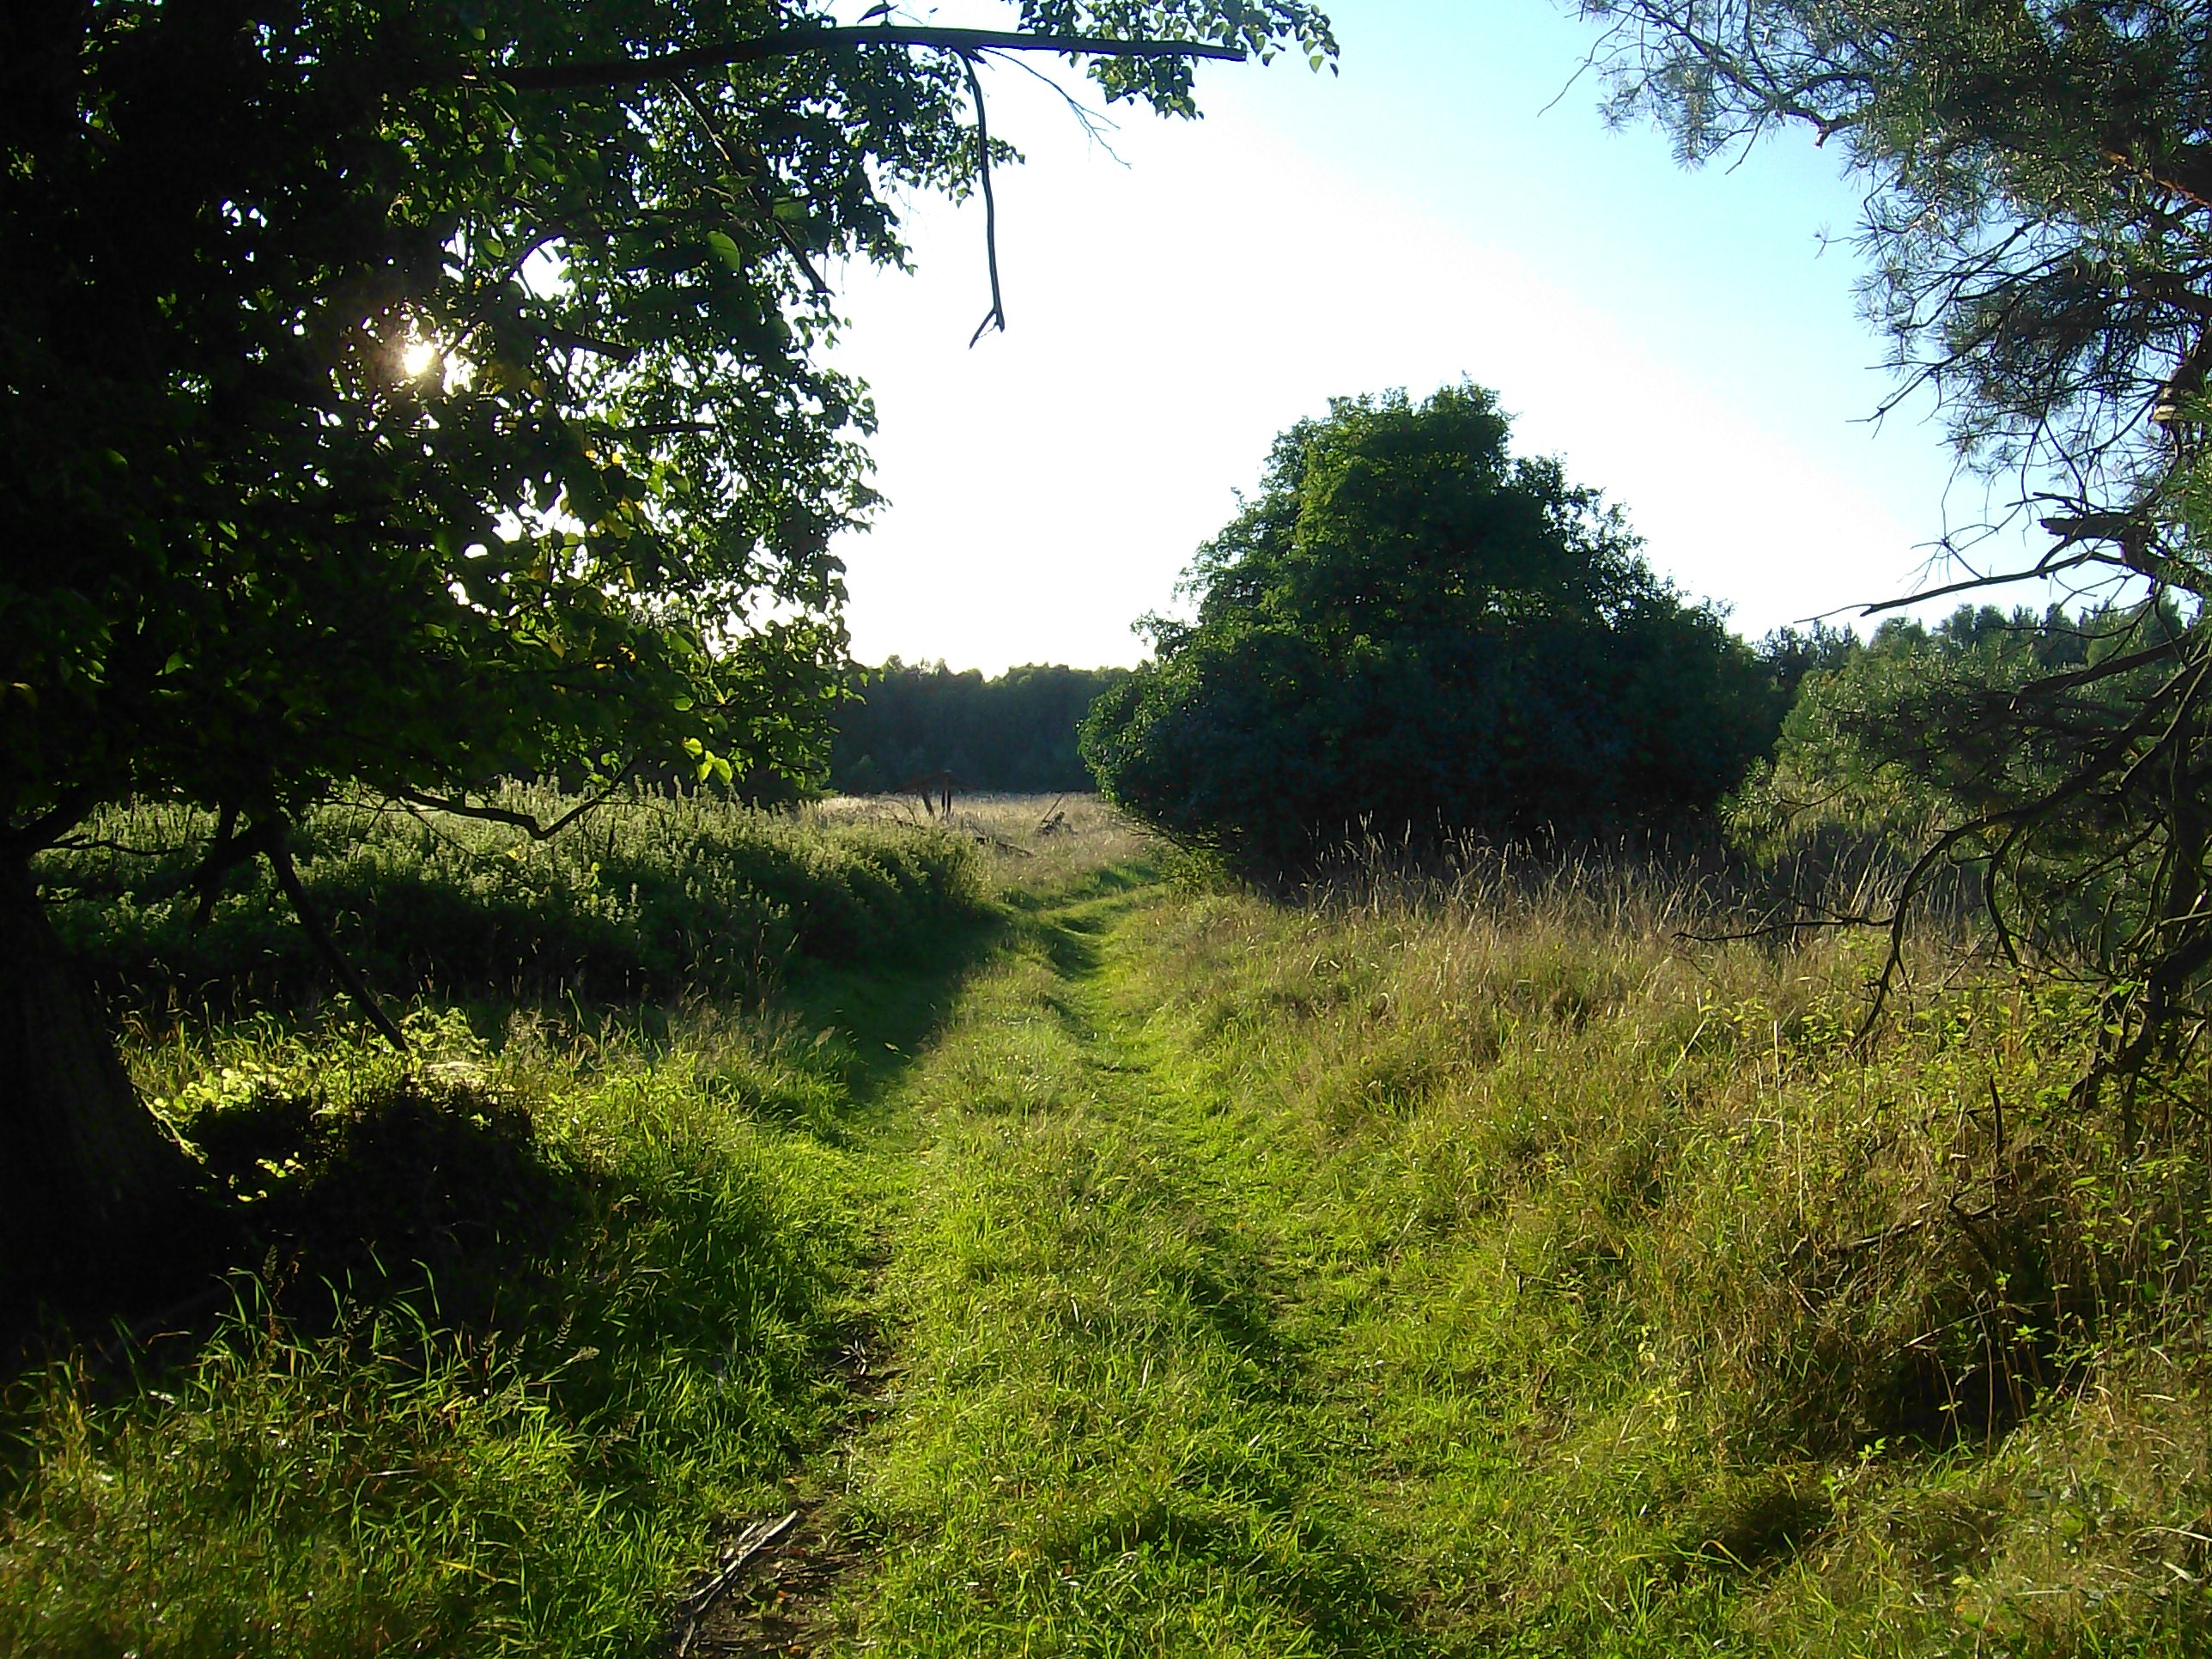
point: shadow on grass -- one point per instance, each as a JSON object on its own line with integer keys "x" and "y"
{"x": 438, "y": 1193}
{"x": 421, "y": 1186}
{"x": 1101, "y": 881}
{"x": 1068, "y": 923}
{"x": 887, "y": 1011}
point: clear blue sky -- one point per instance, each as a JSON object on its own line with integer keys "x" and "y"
{"x": 1688, "y": 341}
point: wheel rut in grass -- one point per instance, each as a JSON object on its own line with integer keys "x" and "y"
{"x": 774, "y": 1587}
{"x": 784, "y": 1582}
{"x": 774, "y": 1581}
{"x": 1102, "y": 1437}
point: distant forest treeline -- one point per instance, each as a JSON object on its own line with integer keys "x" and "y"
{"x": 1015, "y": 732}
{"x": 1018, "y": 732}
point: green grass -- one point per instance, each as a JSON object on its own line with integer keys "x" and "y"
{"x": 1513, "y": 1277}
{"x": 1492, "y": 1270}
{"x": 522, "y": 1324}
{"x": 649, "y": 898}
{"x": 641, "y": 1268}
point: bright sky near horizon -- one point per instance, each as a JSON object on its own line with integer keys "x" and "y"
{"x": 1447, "y": 206}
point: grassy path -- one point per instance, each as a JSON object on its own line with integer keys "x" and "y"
{"x": 1108, "y": 1437}
{"x": 1129, "y": 1269}
{"x": 1271, "y": 1283}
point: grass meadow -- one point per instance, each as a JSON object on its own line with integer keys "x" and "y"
{"x": 1495, "y": 1261}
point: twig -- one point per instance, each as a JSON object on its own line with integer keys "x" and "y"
{"x": 997, "y": 314}
{"x": 137, "y": 1335}
{"x": 1903, "y": 1229}
{"x": 1095, "y": 123}
{"x": 2043, "y": 568}
{"x": 288, "y": 879}
{"x": 462, "y": 807}
{"x": 102, "y": 844}
{"x": 1766, "y": 930}
{"x": 783, "y": 232}
{"x": 755, "y": 1538}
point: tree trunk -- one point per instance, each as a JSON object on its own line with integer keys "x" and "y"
{"x": 92, "y": 1185}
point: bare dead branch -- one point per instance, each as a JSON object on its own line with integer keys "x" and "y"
{"x": 462, "y": 807}
{"x": 272, "y": 839}
{"x": 997, "y": 315}
{"x": 2003, "y": 579}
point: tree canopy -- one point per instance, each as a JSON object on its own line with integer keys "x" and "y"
{"x": 394, "y": 395}
{"x": 1410, "y": 631}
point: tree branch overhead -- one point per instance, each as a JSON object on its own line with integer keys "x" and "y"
{"x": 789, "y": 43}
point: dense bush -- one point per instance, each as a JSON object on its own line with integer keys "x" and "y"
{"x": 1898, "y": 729}
{"x": 1408, "y": 631}
{"x": 1015, "y": 732}
{"x": 655, "y": 895}
{"x": 1979, "y": 727}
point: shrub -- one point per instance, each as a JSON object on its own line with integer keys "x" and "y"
{"x": 1409, "y": 632}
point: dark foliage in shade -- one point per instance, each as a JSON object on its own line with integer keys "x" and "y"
{"x": 1015, "y": 732}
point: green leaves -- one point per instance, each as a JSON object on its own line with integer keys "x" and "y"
{"x": 1409, "y": 634}
{"x": 262, "y": 548}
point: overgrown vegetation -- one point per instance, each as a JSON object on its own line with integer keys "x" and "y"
{"x": 1458, "y": 1259}
{"x": 1480, "y": 1266}
{"x": 517, "y": 1321}
{"x": 661, "y": 896}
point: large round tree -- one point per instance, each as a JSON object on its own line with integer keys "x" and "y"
{"x": 1409, "y": 630}
{"x": 395, "y": 394}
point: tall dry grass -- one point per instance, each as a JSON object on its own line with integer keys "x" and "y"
{"x": 1747, "y": 1289}
{"x": 1033, "y": 844}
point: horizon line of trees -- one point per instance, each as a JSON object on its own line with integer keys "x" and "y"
{"x": 1017, "y": 732}
{"x": 1013, "y": 732}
